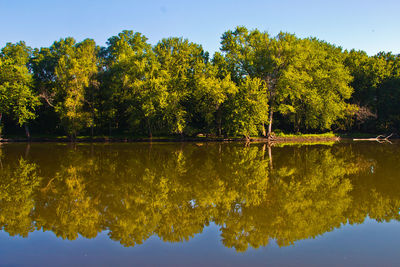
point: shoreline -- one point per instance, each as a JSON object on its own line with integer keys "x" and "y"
{"x": 288, "y": 138}
{"x": 170, "y": 140}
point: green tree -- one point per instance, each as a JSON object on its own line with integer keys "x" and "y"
{"x": 374, "y": 89}
{"x": 65, "y": 77}
{"x": 17, "y": 98}
{"x": 75, "y": 71}
{"x": 247, "y": 112}
{"x": 291, "y": 70}
{"x": 178, "y": 59}
{"x": 316, "y": 86}
{"x": 388, "y": 102}
{"x": 209, "y": 96}
{"x": 131, "y": 92}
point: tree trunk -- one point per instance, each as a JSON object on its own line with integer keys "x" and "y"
{"x": 93, "y": 115}
{"x": 219, "y": 128}
{"x": 149, "y": 128}
{"x": 219, "y": 122}
{"x": 247, "y": 141}
{"x": 28, "y": 134}
{"x": 297, "y": 123}
{"x": 1, "y": 130}
{"x": 271, "y": 113}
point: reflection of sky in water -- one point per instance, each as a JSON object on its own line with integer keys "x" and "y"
{"x": 369, "y": 244}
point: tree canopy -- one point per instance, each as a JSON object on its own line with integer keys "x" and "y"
{"x": 255, "y": 84}
{"x": 17, "y": 97}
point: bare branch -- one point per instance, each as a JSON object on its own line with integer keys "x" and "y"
{"x": 46, "y": 98}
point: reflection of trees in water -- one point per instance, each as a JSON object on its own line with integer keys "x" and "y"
{"x": 376, "y": 191}
{"x": 308, "y": 195}
{"x": 18, "y": 184}
{"x": 174, "y": 191}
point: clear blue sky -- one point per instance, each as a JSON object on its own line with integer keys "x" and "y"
{"x": 368, "y": 25}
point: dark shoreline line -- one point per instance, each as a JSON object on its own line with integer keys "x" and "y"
{"x": 172, "y": 140}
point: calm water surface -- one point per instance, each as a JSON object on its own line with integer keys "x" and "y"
{"x": 200, "y": 204}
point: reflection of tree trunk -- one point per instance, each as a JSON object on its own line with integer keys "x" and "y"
{"x": 27, "y": 149}
{"x": 263, "y": 150}
{"x": 247, "y": 142}
{"x": 270, "y": 157}
{"x": 220, "y": 154}
{"x": 271, "y": 113}
{"x": 44, "y": 189}
{"x": 150, "y": 149}
{"x": 1, "y": 163}
{"x": 264, "y": 133}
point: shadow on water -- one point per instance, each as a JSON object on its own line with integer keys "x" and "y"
{"x": 252, "y": 193}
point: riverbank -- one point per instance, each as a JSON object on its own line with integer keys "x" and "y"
{"x": 121, "y": 139}
{"x": 280, "y": 137}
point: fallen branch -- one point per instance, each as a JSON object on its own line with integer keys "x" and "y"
{"x": 380, "y": 138}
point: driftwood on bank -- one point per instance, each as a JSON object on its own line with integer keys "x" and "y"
{"x": 380, "y": 138}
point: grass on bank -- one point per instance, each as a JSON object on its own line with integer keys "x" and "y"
{"x": 301, "y": 135}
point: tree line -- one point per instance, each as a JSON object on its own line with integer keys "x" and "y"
{"x": 255, "y": 85}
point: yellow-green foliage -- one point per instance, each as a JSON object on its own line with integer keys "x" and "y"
{"x": 137, "y": 191}
{"x": 17, "y": 98}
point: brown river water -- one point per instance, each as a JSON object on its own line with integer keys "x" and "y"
{"x": 200, "y": 204}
